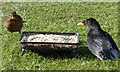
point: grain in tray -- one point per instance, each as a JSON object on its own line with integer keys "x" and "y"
{"x": 50, "y": 38}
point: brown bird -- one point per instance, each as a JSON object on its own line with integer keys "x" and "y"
{"x": 14, "y": 22}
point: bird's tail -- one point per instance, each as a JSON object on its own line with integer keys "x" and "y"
{"x": 114, "y": 54}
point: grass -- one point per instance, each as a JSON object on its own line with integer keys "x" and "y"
{"x": 58, "y": 17}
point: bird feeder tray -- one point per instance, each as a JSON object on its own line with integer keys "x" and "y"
{"x": 49, "y": 40}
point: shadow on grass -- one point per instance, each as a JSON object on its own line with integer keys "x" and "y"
{"x": 77, "y": 53}
{"x": 83, "y": 51}
{"x": 80, "y": 52}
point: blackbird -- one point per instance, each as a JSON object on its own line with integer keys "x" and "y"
{"x": 99, "y": 42}
{"x": 13, "y": 22}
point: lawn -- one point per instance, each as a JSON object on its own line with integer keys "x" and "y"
{"x": 58, "y": 17}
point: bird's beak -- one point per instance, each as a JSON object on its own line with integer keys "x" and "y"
{"x": 82, "y": 24}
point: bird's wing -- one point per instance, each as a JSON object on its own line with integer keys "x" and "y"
{"x": 109, "y": 47}
{"x": 109, "y": 38}
{"x": 18, "y": 17}
{"x": 103, "y": 46}
{"x": 94, "y": 43}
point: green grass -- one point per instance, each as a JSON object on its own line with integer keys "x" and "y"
{"x": 58, "y": 17}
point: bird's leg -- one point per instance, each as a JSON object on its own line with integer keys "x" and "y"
{"x": 10, "y": 35}
{"x": 20, "y": 32}
{"x": 24, "y": 21}
{"x": 102, "y": 55}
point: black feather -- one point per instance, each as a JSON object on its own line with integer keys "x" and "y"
{"x": 100, "y": 43}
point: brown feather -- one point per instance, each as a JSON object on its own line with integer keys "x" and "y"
{"x": 13, "y": 22}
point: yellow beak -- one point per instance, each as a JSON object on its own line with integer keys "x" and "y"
{"x": 82, "y": 24}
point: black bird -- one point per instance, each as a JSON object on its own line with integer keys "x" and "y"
{"x": 13, "y": 22}
{"x": 99, "y": 42}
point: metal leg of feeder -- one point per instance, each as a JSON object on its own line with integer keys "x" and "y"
{"x": 74, "y": 52}
{"x": 23, "y": 51}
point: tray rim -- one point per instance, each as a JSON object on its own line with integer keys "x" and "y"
{"x": 58, "y": 33}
